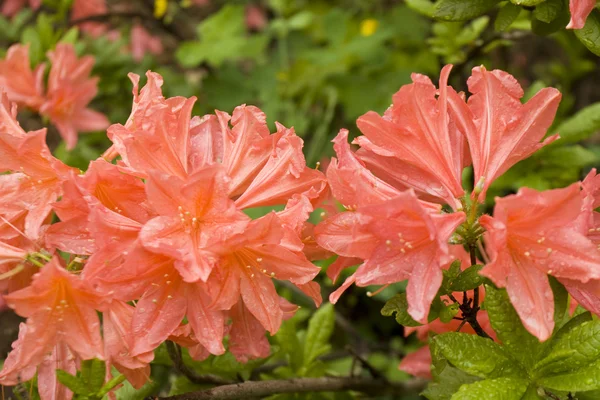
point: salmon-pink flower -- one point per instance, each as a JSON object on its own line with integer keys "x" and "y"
{"x": 143, "y": 42}
{"x": 398, "y": 239}
{"x": 191, "y": 213}
{"x": 264, "y": 169}
{"x": 70, "y": 90}
{"x": 83, "y": 9}
{"x": 165, "y": 300}
{"x": 588, "y": 294}
{"x": 36, "y": 178}
{"x": 11, "y": 7}
{"x": 23, "y": 85}
{"x": 532, "y": 235}
{"x": 580, "y": 10}
{"x": 118, "y": 342}
{"x": 417, "y": 141}
{"x": 247, "y": 336}
{"x": 500, "y": 130}
{"x": 61, "y": 310}
{"x": 102, "y": 189}
{"x": 249, "y": 260}
{"x": 256, "y": 17}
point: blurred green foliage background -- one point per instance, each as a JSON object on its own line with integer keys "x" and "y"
{"x": 317, "y": 65}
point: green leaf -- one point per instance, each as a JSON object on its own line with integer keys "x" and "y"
{"x": 227, "y": 22}
{"x": 399, "y": 305}
{"x": 75, "y": 384}
{"x": 572, "y": 156}
{"x": 580, "y": 126}
{"x": 540, "y": 27}
{"x": 493, "y": 389}
{"x": 469, "y": 279}
{"x": 70, "y": 36}
{"x": 582, "y": 379}
{"x": 579, "y": 347}
{"x": 446, "y": 378}
{"x": 589, "y": 35}
{"x": 182, "y": 385}
{"x": 549, "y": 10}
{"x": 506, "y": 16}
{"x": 424, "y": 7}
{"x": 301, "y": 20}
{"x": 561, "y": 302}
{"x": 589, "y": 395}
{"x": 289, "y": 343}
{"x": 505, "y": 321}
{"x": 476, "y": 355}
{"x": 110, "y": 385}
{"x": 320, "y": 328}
{"x": 448, "y": 312}
{"x": 462, "y": 10}
{"x": 453, "y": 271}
{"x": 575, "y": 321}
{"x": 97, "y": 375}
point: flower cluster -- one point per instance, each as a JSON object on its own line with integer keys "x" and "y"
{"x": 69, "y": 90}
{"x": 410, "y": 163}
{"x": 159, "y": 242}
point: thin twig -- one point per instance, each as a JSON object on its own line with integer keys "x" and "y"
{"x": 372, "y": 370}
{"x": 262, "y": 389}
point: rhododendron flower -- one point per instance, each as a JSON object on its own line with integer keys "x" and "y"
{"x": 580, "y": 10}
{"x": 83, "y": 9}
{"x": 398, "y": 239}
{"x": 248, "y": 262}
{"x": 23, "y": 85}
{"x": 255, "y": 17}
{"x": 415, "y": 144}
{"x": 36, "y": 178}
{"x": 192, "y": 213}
{"x": 143, "y": 42}
{"x": 103, "y": 189}
{"x": 61, "y": 317}
{"x": 532, "y": 235}
{"x": 500, "y": 130}
{"x": 118, "y": 342}
{"x": 70, "y": 89}
{"x": 588, "y": 294}
{"x": 11, "y": 7}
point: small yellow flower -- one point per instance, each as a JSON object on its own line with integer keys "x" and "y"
{"x": 368, "y": 27}
{"x": 160, "y": 8}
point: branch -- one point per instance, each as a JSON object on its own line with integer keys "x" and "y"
{"x": 262, "y": 389}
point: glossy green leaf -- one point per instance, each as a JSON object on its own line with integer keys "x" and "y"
{"x": 75, "y": 384}
{"x": 505, "y": 321}
{"x": 582, "y": 379}
{"x": 577, "y": 348}
{"x": 589, "y": 35}
{"x": 549, "y": 10}
{"x": 462, "y": 10}
{"x": 476, "y": 355}
{"x": 469, "y": 279}
{"x": 506, "y": 16}
{"x": 493, "y": 389}
{"x": 399, "y": 305}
